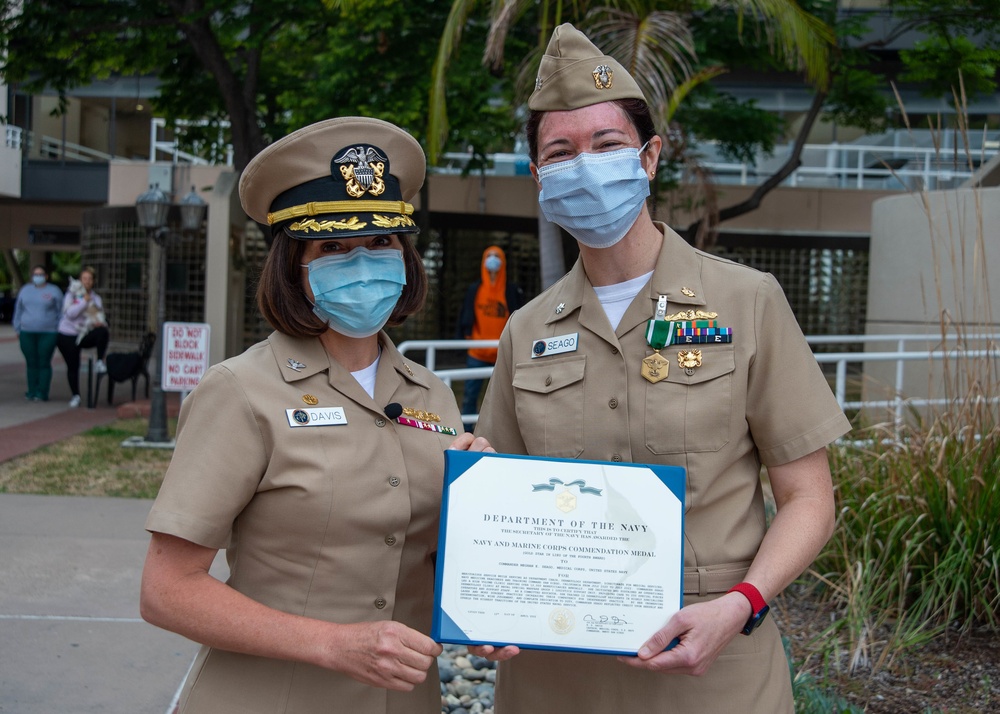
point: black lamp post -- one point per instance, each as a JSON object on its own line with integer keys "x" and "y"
{"x": 152, "y": 208}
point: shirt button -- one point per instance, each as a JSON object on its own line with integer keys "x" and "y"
{"x": 613, "y": 403}
{"x": 614, "y": 350}
{"x": 380, "y": 602}
{"x": 390, "y": 540}
{"x": 394, "y": 481}
{"x": 548, "y": 381}
{"x": 616, "y": 457}
{"x": 380, "y": 421}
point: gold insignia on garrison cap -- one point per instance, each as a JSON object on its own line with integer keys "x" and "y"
{"x": 573, "y": 73}
{"x": 603, "y": 76}
{"x": 350, "y": 176}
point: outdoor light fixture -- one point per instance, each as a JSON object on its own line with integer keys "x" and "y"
{"x": 193, "y": 209}
{"x": 152, "y": 208}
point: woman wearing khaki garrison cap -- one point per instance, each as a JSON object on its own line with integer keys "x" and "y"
{"x": 680, "y": 358}
{"x": 316, "y": 457}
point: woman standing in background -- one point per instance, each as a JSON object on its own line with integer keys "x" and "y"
{"x": 36, "y": 321}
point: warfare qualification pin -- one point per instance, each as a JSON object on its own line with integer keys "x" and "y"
{"x": 689, "y": 360}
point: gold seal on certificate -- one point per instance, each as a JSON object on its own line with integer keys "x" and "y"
{"x": 561, "y": 621}
{"x": 557, "y": 553}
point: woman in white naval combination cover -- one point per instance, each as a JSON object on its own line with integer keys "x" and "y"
{"x": 296, "y": 459}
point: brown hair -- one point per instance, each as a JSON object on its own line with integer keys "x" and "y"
{"x": 284, "y": 304}
{"x": 636, "y": 110}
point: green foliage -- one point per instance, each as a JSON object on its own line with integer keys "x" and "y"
{"x": 741, "y": 128}
{"x": 917, "y": 543}
{"x": 65, "y": 264}
{"x": 810, "y": 696}
{"x": 49, "y": 44}
{"x": 942, "y": 64}
{"x": 857, "y": 98}
{"x": 377, "y": 62}
{"x": 954, "y": 18}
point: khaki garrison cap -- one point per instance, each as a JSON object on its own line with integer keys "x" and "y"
{"x": 574, "y": 73}
{"x": 349, "y": 176}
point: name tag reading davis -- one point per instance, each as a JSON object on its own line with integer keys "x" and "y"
{"x": 316, "y": 416}
{"x": 555, "y": 345}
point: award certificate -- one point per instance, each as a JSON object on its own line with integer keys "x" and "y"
{"x": 558, "y": 554}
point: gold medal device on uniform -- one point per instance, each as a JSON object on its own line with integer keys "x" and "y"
{"x": 417, "y": 418}
{"x": 658, "y": 335}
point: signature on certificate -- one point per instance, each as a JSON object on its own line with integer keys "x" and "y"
{"x": 605, "y": 619}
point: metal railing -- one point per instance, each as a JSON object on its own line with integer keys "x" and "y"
{"x": 903, "y": 354}
{"x": 898, "y": 404}
{"x": 171, "y": 147}
{"x": 861, "y": 166}
{"x": 50, "y": 147}
{"x": 897, "y": 160}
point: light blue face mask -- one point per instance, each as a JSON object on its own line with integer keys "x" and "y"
{"x": 492, "y": 263}
{"x": 356, "y": 292}
{"x": 38, "y": 280}
{"x": 595, "y": 197}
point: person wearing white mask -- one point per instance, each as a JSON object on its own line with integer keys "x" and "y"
{"x": 315, "y": 458}
{"x": 36, "y": 322}
{"x": 671, "y": 356}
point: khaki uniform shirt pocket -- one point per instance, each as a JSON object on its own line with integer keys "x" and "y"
{"x": 549, "y": 402}
{"x": 693, "y": 412}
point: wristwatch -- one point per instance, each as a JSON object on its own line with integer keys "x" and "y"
{"x": 760, "y": 608}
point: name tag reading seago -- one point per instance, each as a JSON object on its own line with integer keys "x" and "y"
{"x": 555, "y": 345}
{"x": 316, "y": 416}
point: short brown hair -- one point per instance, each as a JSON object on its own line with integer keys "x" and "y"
{"x": 636, "y": 110}
{"x": 284, "y": 304}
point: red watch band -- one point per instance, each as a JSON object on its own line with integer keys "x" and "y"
{"x": 752, "y": 594}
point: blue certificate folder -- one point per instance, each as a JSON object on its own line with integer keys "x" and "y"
{"x": 557, "y": 554}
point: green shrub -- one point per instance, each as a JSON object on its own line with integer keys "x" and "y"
{"x": 916, "y": 549}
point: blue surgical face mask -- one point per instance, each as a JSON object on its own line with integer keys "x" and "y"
{"x": 595, "y": 197}
{"x": 356, "y": 292}
{"x": 38, "y": 280}
{"x": 492, "y": 263}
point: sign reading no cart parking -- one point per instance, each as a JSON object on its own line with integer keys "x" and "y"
{"x": 185, "y": 355}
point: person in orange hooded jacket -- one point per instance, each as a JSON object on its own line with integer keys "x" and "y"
{"x": 486, "y": 309}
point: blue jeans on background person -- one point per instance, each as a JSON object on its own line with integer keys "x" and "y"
{"x": 37, "y": 348}
{"x": 470, "y": 394}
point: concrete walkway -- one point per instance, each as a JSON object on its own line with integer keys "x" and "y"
{"x": 71, "y": 639}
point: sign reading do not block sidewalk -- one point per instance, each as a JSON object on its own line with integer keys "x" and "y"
{"x": 185, "y": 355}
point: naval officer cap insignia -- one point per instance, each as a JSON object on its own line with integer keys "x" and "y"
{"x": 344, "y": 177}
{"x": 573, "y": 73}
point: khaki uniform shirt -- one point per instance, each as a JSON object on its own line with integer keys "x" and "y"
{"x": 760, "y": 399}
{"x": 336, "y": 522}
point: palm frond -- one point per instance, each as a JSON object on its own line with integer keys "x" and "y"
{"x": 657, "y": 49}
{"x": 527, "y": 69}
{"x": 684, "y": 88}
{"x": 502, "y": 17}
{"x": 437, "y": 106}
{"x": 799, "y": 39}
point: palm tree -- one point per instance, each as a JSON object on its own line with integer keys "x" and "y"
{"x": 651, "y": 38}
